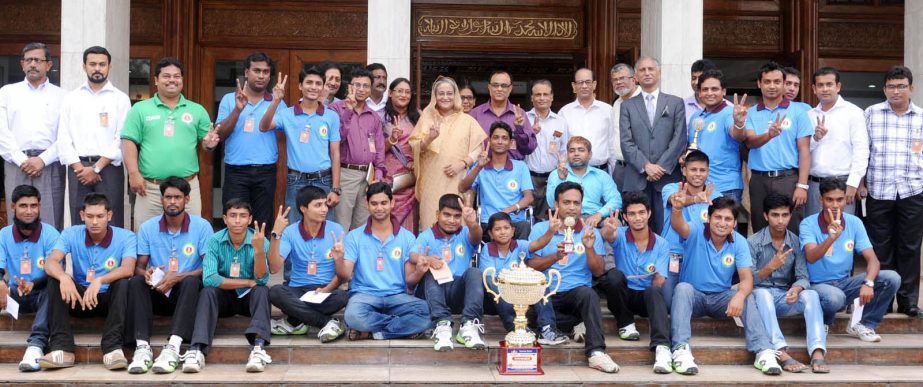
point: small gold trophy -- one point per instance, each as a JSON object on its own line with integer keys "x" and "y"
{"x": 568, "y": 242}
{"x": 520, "y": 286}
{"x": 697, "y": 124}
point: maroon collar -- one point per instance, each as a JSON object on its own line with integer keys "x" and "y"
{"x": 184, "y": 228}
{"x": 824, "y": 226}
{"x": 298, "y": 110}
{"x": 651, "y": 239}
{"x": 267, "y": 96}
{"x": 107, "y": 240}
{"x": 720, "y": 107}
{"x": 707, "y": 231}
{"x": 304, "y": 230}
{"x": 784, "y": 104}
{"x": 395, "y": 225}
{"x": 438, "y": 234}
{"x": 509, "y": 163}
{"x": 18, "y": 237}
{"x": 494, "y": 251}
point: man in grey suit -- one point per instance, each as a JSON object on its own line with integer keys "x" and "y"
{"x": 653, "y": 136}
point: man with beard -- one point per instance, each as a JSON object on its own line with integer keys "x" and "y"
{"x": 250, "y": 154}
{"x": 23, "y": 249}
{"x": 28, "y": 132}
{"x": 622, "y": 77}
{"x": 499, "y": 108}
{"x": 600, "y": 195}
{"x": 377, "y": 96}
{"x": 167, "y": 277}
{"x": 92, "y": 117}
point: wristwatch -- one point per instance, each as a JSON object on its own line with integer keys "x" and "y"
{"x": 803, "y": 186}
{"x": 337, "y": 191}
{"x": 96, "y": 168}
{"x": 869, "y": 283}
{"x": 275, "y": 235}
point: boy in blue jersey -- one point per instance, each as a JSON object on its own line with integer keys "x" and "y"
{"x": 307, "y": 245}
{"x": 830, "y": 240}
{"x": 503, "y": 184}
{"x": 716, "y": 137}
{"x": 235, "y": 271}
{"x": 103, "y": 258}
{"x": 576, "y": 301}
{"x": 376, "y": 258}
{"x": 174, "y": 244}
{"x": 713, "y": 253}
{"x": 24, "y": 248}
{"x": 634, "y": 287}
{"x": 449, "y": 242}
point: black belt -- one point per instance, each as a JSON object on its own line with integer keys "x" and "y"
{"x": 158, "y": 181}
{"x": 33, "y": 152}
{"x": 621, "y": 163}
{"x": 310, "y": 175}
{"x": 90, "y": 159}
{"x": 540, "y": 174}
{"x": 603, "y": 166}
{"x": 355, "y": 167}
{"x": 782, "y": 173}
{"x": 819, "y": 179}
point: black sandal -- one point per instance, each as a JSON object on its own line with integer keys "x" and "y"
{"x": 819, "y": 366}
{"x": 798, "y": 366}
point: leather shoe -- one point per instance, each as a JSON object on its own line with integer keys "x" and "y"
{"x": 913, "y": 311}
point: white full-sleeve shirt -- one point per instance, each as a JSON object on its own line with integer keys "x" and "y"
{"x": 847, "y": 139}
{"x": 91, "y": 123}
{"x": 29, "y": 121}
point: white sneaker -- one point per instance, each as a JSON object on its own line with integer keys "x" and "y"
{"x": 443, "y": 336}
{"x": 168, "y": 360}
{"x": 629, "y": 333}
{"x": 193, "y": 361}
{"x": 683, "y": 362}
{"x": 280, "y": 326}
{"x": 330, "y": 332}
{"x": 469, "y": 335}
{"x": 29, "y": 361}
{"x": 142, "y": 360}
{"x": 600, "y": 360}
{"x": 258, "y": 360}
{"x": 663, "y": 360}
{"x": 766, "y": 362}
{"x": 579, "y": 333}
{"x": 864, "y": 333}
{"x": 115, "y": 360}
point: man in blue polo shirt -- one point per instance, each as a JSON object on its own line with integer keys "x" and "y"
{"x": 503, "y": 183}
{"x": 24, "y": 246}
{"x": 449, "y": 242}
{"x": 103, "y": 258}
{"x": 376, "y": 258}
{"x": 779, "y": 139}
{"x": 307, "y": 244}
{"x": 641, "y": 259}
{"x": 170, "y": 249}
{"x": 601, "y": 196}
{"x": 577, "y": 252}
{"x": 711, "y": 130}
{"x": 250, "y": 154}
{"x": 830, "y": 240}
{"x": 713, "y": 253}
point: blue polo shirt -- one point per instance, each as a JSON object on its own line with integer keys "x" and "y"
{"x": 781, "y": 152}
{"x": 836, "y": 266}
{"x": 363, "y": 248}
{"x": 104, "y": 257}
{"x": 576, "y": 272}
{"x": 501, "y": 188}
{"x": 249, "y": 147}
{"x": 491, "y": 256}
{"x": 300, "y": 247}
{"x": 323, "y": 127}
{"x": 697, "y": 212}
{"x": 709, "y": 270}
{"x": 189, "y": 243}
{"x": 460, "y": 249}
{"x": 723, "y": 150}
{"x": 640, "y": 266}
{"x": 600, "y": 194}
{"x": 37, "y": 246}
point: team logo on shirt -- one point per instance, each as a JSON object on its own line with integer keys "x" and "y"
{"x": 728, "y": 260}
{"x": 329, "y": 254}
{"x": 188, "y": 249}
{"x": 110, "y": 263}
{"x": 460, "y": 250}
{"x": 323, "y": 131}
{"x": 187, "y": 118}
{"x": 512, "y": 185}
{"x": 40, "y": 262}
{"x": 396, "y": 253}
{"x": 579, "y": 249}
{"x": 704, "y": 215}
{"x": 786, "y": 123}
{"x": 711, "y": 126}
{"x": 849, "y": 245}
{"x": 650, "y": 268}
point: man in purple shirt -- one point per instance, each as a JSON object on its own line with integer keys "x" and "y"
{"x": 499, "y": 108}
{"x": 362, "y": 146}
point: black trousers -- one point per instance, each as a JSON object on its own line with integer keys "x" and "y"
{"x": 581, "y": 304}
{"x": 254, "y": 184}
{"x": 656, "y": 220}
{"x": 145, "y": 302}
{"x": 896, "y": 230}
{"x": 214, "y": 303}
{"x": 112, "y": 185}
{"x": 112, "y": 305}
{"x": 760, "y": 187}
{"x": 287, "y": 298}
{"x": 624, "y": 303}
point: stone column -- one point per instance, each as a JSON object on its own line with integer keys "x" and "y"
{"x": 389, "y": 36}
{"x": 672, "y": 32}
{"x": 913, "y": 44}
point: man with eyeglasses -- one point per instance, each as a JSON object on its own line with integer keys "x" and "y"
{"x": 589, "y": 117}
{"x": 499, "y": 108}
{"x": 28, "y": 132}
{"x": 894, "y": 184}
{"x": 622, "y": 77}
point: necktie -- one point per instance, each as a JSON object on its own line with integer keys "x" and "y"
{"x": 650, "y": 107}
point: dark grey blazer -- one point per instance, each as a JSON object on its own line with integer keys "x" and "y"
{"x": 661, "y": 144}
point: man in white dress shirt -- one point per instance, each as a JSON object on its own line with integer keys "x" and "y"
{"x": 589, "y": 117}
{"x": 622, "y": 77}
{"x": 551, "y": 134}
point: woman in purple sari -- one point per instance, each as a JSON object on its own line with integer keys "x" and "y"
{"x": 401, "y": 115}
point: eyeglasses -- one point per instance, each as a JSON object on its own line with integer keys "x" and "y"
{"x": 900, "y": 87}
{"x": 33, "y": 60}
{"x": 501, "y": 86}
{"x": 361, "y": 86}
{"x": 586, "y": 82}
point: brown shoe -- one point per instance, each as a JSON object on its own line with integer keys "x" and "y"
{"x": 57, "y": 359}
{"x": 357, "y": 335}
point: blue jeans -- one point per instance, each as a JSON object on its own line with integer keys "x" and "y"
{"x": 544, "y": 312}
{"x": 35, "y": 302}
{"x": 672, "y": 280}
{"x": 771, "y": 303}
{"x": 395, "y": 316}
{"x": 689, "y": 303}
{"x": 293, "y": 183}
{"x": 735, "y": 194}
{"x": 464, "y": 293}
{"x": 834, "y": 295}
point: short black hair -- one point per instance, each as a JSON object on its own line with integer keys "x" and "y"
{"x": 791, "y": 71}
{"x": 500, "y": 125}
{"x": 169, "y": 61}
{"x": 375, "y": 66}
{"x": 313, "y": 70}
{"x": 776, "y": 200}
{"x": 237, "y": 203}
{"x": 258, "y": 56}
{"x": 567, "y": 186}
{"x": 37, "y": 46}
{"x": 722, "y": 203}
{"x": 175, "y": 182}
{"x": 308, "y": 194}
{"x": 592, "y": 73}
{"x": 390, "y": 111}
{"x": 828, "y": 184}
{"x": 827, "y": 71}
{"x": 498, "y": 217}
{"x": 96, "y": 199}
{"x": 96, "y": 50}
{"x": 377, "y": 188}
{"x": 450, "y": 201}
{"x": 770, "y": 67}
{"x": 635, "y": 197}
{"x": 703, "y": 65}
{"x": 25, "y": 191}
{"x": 899, "y": 72}
{"x": 711, "y": 74}
{"x": 500, "y": 71}
{"x": 697, "y": 155}
{"x": 360, "y": 72}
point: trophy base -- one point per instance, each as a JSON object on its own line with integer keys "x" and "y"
{"x": 520, "y": 360}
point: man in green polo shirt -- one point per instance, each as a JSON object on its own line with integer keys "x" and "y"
{"x": 159, "y": 140}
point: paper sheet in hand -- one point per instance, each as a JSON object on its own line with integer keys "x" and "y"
{"x": 738, "y": 322}
{"x": 856, "y": 312}
{"x": 156, "y": 277}
{"x": 314, "y": 297}
{"x": 443, "y": 275}
{"x": 12, "y": 307}
{"x": 244, "y": 294}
